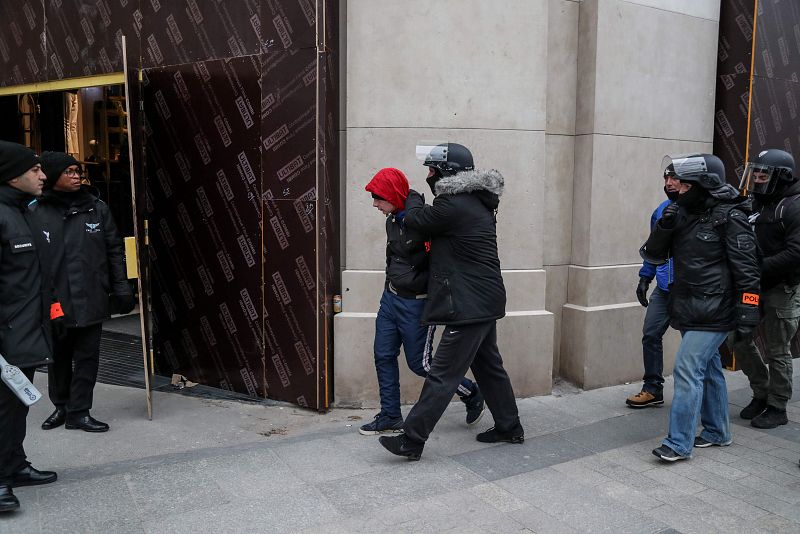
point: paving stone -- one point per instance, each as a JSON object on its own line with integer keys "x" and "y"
{"x": 664, "y": 475}
{"x": 681, "y": 520}
{"x": 630, "y": 497}
{"x": 306, "y": 508}
{"x": 399, "y": 482}
{"x": 616, "y": 432}
{"x": 732, "y": 505}
{"x": 578, "y": 506}
{"x": 506, "y": 460}
{"x": 777, "y": 491}
{"x": 26, "y": 519}
{"x": 496, "y": 496}
{"x": 172, "y": 489}
{"x": 581, "y": 470}
{"x": 325, "y": 459}
{"x": 540, "y": 521}
{"x": 81, "y": 506}
{"x": 252, "y": 475}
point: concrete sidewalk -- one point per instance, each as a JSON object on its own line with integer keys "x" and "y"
{"x": 221, "y": 466}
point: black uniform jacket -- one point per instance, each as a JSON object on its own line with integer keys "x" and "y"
{"x": 88, "y": 261}
{"x": 716, "y": 266}
{"x": 465, "y": 285}
{"x": 25, "y": 298}
{"x": 778, "y": 234}
{"x": 406, "y": 259}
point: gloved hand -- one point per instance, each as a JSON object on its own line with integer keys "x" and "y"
{"x": 669, "y": 217}
{"x": 123, "y": 303}
{"x": 742, "y": 333}
{"x": 641, "y": 290}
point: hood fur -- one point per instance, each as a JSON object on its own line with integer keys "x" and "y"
{"x": 471, "y": 181}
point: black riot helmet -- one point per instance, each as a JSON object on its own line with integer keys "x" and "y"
{"x": 769, "y": 172}
{"x": 705, "y": 170}
{"x": 449, "y": 158}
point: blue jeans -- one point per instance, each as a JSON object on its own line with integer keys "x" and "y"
{"x": 700, "y": 392}
{"x": 399, "y": 322}
{"x": 656, "y": 323}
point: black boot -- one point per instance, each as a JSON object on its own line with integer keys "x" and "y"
{"x": 495, "y": 435}
{"x": 475, "y": 406}
{"x": 402, "y": 445}
{"x": 87, "y": 423}
{"x": 8, "y": 501}
{"x": 56, "y": 418}
{"x": 754, "y": 409}
{"x": 771, "y": 418}
{"x": 29, "y": 476}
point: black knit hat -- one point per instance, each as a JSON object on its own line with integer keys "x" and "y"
{"x": 53, "y": 164}
{"x": 15, "y": 160}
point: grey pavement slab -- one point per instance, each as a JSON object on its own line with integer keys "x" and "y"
{"x": 206, "y": 465}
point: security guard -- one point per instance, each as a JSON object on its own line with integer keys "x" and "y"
{"x": 770, "y": 179}
{"x": 24, "y": 304}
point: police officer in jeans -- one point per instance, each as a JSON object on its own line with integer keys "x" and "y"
{"x": 25, "y": 300}
{"x": 399, "y": 319}
{"x": 770, "y": 178}
{"x": 88, "y": 269}
{"x": 656, "y": 320}
{"x": 465, "y": 293}
{"x": 713, "y": 247}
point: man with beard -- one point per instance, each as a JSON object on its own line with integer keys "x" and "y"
{"x": 715, "y": 292}
{"x": 465, "y": 293}
{"x": 770, "y": 178}
{"x": 24, "y": 306}
{"x": 87, "y": 263}
{"x": 656, "y": 320}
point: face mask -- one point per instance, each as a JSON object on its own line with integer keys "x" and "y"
{"x": 693, "y": 198}
{"x": 431, "y": 180}
{"x": 672, "y": 195}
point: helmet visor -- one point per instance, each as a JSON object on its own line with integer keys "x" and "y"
{"x": 759, "y": 179}
{"x": 431, "y": 152}
{"x": 684, "y": 166}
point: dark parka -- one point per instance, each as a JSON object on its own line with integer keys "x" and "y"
{"x": 87, "y": 254}
{"x": 25, "y": 296}
{"x": 406, "y": 258}
{"x": 715, "y": 260}
{"x": 465, "y": 285}
{"x": 778, "y": 233}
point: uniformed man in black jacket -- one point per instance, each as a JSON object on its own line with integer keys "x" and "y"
{"x": 715, "y": 291}
{"x": 465, "y": 293}
{"x": 24, "y": 310}
{"x": 88, "y": 270}
{"x": 769, "y": 177}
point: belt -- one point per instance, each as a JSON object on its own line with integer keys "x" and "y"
{"x": 405, "y": 294}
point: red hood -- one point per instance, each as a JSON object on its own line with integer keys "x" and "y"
{"x": 390, "y": 184}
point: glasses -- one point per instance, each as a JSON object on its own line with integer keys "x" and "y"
{"x": 73, "y": 172}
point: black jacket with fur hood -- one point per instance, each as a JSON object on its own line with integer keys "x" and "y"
{"x": 465, "y": 285}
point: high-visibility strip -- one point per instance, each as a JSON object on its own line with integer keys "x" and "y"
{"x": 65, "y": 84}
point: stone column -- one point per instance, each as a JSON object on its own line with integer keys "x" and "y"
{"x": 451, "y": 70}
{"x": 645, "y": 88}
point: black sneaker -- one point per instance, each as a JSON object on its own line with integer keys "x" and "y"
{"x": 402, "y": 446}
{"x": 754, "y": 409}
{"x": 702, "y": 443}
{"x": 771, "y": 418}
{"x": 382, "y": 425}
{"x": 668, "y": 455}
{"x": 493, "y": 435}
{"x": 475, "y": 406}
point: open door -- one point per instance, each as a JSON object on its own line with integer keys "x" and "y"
{"x": 138, "y": 247}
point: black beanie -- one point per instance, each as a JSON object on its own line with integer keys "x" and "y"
{"x": 53, "y": 164}
{"x": 15, "y": 160}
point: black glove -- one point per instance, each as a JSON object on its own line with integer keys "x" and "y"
{"x": 669, "y": 217}
{"x": 742, "y": 333}
{"x": 641, "y": 290}
{"x": 414, "y": 199}
{"x": 123, "y": 303}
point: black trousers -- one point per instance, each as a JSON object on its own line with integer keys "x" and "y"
{"x": 464, "y": 347}
{"x": 74, "y": 388}
{"x": 13, "y": 413}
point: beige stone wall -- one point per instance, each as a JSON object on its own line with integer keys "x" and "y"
{"x": 575, "y": 102}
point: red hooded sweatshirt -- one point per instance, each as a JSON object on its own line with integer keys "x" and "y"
{"x": 390, "y": 184}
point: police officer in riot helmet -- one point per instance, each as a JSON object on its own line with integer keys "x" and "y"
{"x": 770, "y": 178}
{"x": 715, "y": 292}
{"x": 465, "y": 293}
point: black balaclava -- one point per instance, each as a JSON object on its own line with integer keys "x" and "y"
{"x": 694, "y": 199}
{"x": 431, "y": 180}
{"x": 672, "y": 195}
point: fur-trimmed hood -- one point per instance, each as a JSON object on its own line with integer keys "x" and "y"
{"x": 471, "y": 181}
